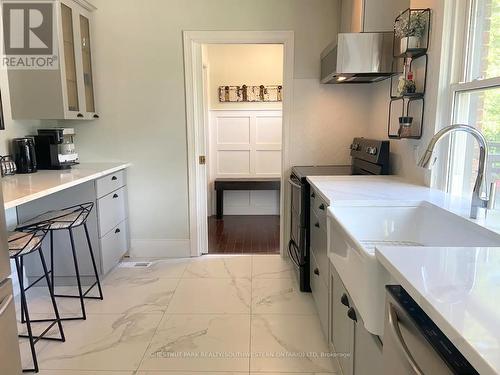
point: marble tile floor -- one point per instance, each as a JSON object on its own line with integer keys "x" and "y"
{"x": 211, "y": 315}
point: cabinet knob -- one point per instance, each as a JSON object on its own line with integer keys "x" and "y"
{"x": 322, "y": 206}
{"x": 316, "y": 225}
{"x": 313, "y": 195}
{"x": 115, "y": 195}
{"x": 316, "y": 271}
{"x": 79, "y": 115}
{"x": 117, "y": 230}
{"x": 345, "y": 300}
{"x": 351, "y": 313}
{"x": 114, "y": 178}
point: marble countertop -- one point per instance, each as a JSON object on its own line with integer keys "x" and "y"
{"x": 24, "y": 188}
{"x": 459, "y": 289}
{"x": 350, "y": 191}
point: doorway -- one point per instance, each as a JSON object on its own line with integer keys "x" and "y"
{"x": 201, "y": 196}
{"x": 243, "y": 90}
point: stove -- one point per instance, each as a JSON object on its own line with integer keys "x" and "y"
{"x": 368, "y": 157}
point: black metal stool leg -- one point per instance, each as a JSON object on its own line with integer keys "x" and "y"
{"x": 22, "y": 269}
{"x": 24, "y": 307}
{"x": 52, "y": 285}
{"x": 52, "y": 298}
{"x": 93, "y": 262}
{"x": 77, "y": 271}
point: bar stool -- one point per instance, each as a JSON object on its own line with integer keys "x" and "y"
{"x": 20, "y": 245}
{"x": 68, "y": 219}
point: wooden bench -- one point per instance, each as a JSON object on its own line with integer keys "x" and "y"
{"x": 222, "y": 184}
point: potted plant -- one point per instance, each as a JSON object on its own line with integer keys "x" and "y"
{"x": 410, "y": 28}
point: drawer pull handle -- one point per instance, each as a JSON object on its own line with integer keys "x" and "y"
{"x": 316, "y": 271}
{"x": 345, "y": 300}
{"x": 316, "y": 225}
{"x": 351, "y": 313}
{"x": 313, "y": 195}
{"x": 79, "y": 115}
{"x": 96, "y": 116}
{"x": 117, "y": 230}
{"x": 114, "y": 178}
{"x": 115, "y": 195}
{"x": 322, "y": 207}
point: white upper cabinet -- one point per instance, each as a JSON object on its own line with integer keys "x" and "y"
{"x": 65, "y": 93}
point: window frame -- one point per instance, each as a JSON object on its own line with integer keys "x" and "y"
{"x": 457, "y": 39}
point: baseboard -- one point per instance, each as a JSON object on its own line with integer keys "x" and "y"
{"x": 161, "y": 248}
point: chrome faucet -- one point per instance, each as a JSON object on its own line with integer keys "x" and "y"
{"x": 477, "y": 200}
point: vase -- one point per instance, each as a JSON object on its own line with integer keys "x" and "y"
{"x": 409, "y": 42}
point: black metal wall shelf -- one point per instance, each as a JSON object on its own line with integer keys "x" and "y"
{"x": 410, "y": 104}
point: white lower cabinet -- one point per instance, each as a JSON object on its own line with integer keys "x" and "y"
{"x": 112, "y": 215}
{"x": 341, "y": 334}
{"x": 107, "y": 225}
{"x": 320, "y": 294}
{"x": 360, "y": 352}
{"x": 114, "y": 246}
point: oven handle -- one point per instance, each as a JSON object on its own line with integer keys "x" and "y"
{"x": 290, "y": 252}
{"x": 294, "y": 184}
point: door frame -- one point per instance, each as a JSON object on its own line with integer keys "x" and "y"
{"x": 196, "y": 126}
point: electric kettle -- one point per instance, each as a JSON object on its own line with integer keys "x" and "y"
{"x": 23, "y": 151}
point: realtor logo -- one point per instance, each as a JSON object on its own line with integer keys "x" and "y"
{"x": 28, "y": 35}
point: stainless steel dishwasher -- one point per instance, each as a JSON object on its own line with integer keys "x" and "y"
{"x": 413, "y": 344}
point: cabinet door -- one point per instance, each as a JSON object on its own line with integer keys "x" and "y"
{"x": 70, "y": 66}
{"x": 368, "y": 358}
{"x": 341, "y": 326}
{"x": 88, "y": 79}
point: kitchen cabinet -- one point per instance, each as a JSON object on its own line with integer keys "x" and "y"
{"x": 319, "y": 262}
{"x": 361, "y": 352}
{"x": 341, "y": 334}
{"x": 107, "y": 224}
{"x": 67, "y": 92}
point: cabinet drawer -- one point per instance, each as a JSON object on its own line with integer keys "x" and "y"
{"x": 320, "y": 295}
{"x": 113, "y": 246}
{"x": 109, "y": 183}
{"x": 319, "y": 246}
{"x": 111, "y": 210}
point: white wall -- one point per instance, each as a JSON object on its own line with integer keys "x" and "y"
{"x": 140, "y": 89}
{"x": 244, "y": 64}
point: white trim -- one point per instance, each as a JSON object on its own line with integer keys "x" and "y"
{"x": 192, "y": 44}
{"x": 478, "y": 84}
{"x": 159, "y": 248}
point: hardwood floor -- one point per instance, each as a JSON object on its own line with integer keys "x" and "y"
{"x": 250, "y": 234}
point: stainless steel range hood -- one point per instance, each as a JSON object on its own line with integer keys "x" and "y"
{"x": 358, "y": 58}
{"x": 363, "y": 51}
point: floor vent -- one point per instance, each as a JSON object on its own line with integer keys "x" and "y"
{"x": 135, "y": 264}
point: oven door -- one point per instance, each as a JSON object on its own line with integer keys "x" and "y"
{"x": 297, "y": 230}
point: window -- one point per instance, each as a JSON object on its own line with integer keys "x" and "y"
{"x": 476, "y": 96}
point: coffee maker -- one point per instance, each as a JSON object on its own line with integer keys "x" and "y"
{"x": 55, "y": 148}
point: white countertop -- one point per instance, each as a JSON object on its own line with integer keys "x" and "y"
{"x": 459, "y": 288}
{"x": 24, "y": 188}
{"x": 372, "y": 190}
{"x": 352, "y": 191}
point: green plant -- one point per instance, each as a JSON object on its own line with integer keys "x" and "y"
{"x": 412, "y": 25}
